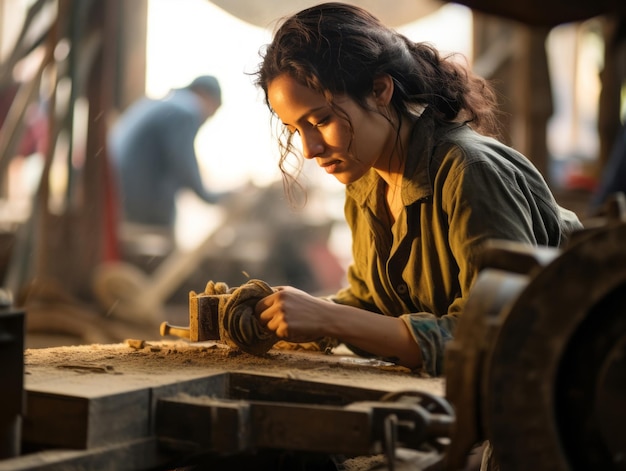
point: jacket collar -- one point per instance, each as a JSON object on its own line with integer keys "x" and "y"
{"x": 416, "y": 183}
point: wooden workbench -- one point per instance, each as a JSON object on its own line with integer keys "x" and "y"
{"x": 94, "y": 404}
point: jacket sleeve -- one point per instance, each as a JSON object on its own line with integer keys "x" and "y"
{"x": 473, "y": 202}
{"x": 472, "y": 205}
{"x": 477, "y": 202}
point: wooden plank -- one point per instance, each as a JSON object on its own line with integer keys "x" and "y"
{"x": 55, "y": 420}
{"x": 80, "y": 422}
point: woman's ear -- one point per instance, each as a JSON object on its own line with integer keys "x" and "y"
{"x": 383, "y": 89}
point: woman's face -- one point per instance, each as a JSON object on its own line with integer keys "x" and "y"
{"x": 327, "y": 136}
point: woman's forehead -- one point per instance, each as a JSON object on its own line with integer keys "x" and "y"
{"x": 288, "y": 95}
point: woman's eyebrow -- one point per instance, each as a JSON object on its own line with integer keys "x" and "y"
{"x": 306, "y": 115}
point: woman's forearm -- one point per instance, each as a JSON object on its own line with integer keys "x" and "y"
{"x": 380, "y": 335}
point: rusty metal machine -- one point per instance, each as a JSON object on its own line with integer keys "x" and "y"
{"x": 537, "y": 369}
{"x": 538, "y": 363}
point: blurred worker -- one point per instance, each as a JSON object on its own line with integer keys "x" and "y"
{"x": 406, "y": 130}
{"x": 152, "y": 149}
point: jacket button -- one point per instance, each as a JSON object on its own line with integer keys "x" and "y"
{"x": 402, "y": 288}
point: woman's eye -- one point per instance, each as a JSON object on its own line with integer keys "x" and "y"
{"x": 320, "y": 123}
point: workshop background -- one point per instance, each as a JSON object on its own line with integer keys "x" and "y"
{"x": 69, "y": 67}
{"x": 537, "y": 365}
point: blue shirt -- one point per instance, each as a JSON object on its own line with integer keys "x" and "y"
{"x": 152, "y": 149}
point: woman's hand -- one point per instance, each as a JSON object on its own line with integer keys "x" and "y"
{"x": 293, "y": 315}
{"x": 296, "y": 316}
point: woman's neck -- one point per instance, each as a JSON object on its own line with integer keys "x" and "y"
{"x": 391, "y": 169}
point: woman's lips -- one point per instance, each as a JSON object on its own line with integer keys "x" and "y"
{"x": 331, "y": 167}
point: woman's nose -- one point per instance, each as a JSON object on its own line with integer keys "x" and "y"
{"x": 312, "y": 146}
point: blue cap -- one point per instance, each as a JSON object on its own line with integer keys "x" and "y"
{"x": 207, "y": 84}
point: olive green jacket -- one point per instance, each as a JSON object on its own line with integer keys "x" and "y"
{"x": 459, "y": 190}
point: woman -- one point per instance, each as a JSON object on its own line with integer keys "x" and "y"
{"x": 399, "y": 126}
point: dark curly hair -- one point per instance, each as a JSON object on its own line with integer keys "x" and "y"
{"x": 339, "y": 49}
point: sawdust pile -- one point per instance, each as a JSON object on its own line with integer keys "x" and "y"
{"x": 180, "y": 359}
